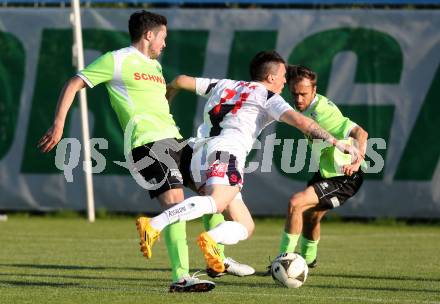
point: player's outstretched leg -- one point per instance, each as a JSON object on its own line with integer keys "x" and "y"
{"x": 147, "y": 234}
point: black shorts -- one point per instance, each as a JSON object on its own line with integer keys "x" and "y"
{"x": 163, "y": 173}
{"x": 333, "y": 192}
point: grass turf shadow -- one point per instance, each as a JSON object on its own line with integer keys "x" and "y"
{"x": 375, "y": 277}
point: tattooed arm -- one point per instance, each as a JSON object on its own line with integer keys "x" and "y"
{"x": 310, "y": 128}
{"x": 307, "y": 126}
{"x": 360, "y": 137}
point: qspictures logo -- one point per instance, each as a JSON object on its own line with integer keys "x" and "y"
{"x": 68, "y": 155}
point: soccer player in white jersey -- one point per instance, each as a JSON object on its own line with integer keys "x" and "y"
{"x": 137, "y": 91}
{"x": 337, "y": 179}
{"x": 235, "y": 114}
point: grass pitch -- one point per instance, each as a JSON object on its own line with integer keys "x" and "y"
{"x": 53, "y": 260}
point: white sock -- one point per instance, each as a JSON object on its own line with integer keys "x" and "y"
{"x": 229, "y": 233}
{"x": 189, "y": 209}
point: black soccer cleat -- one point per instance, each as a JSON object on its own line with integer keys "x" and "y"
{"x": 313, "y": 264}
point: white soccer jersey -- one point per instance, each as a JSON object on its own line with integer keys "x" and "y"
{"x": 235, "y": 114}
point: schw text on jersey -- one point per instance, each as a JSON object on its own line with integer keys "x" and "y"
{"x": 148, "y": 77}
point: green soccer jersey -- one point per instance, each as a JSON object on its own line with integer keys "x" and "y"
{"x": 328, "y": 116}
{"x": 137, "y": 94}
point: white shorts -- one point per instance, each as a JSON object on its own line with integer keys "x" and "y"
{"x": 212, "y": 166}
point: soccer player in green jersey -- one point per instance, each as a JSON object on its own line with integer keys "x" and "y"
{"x": 337, "y": 179}
{"x": 137, "y": 89}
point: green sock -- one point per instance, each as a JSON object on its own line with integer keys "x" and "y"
{"x": 288, "y": 242}
{"x": 175, "y": 240}
{"x": 309, "y": 249}
{"x": 211, "y": 221}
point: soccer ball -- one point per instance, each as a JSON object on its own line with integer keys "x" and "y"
{"x": 289, "y": 270}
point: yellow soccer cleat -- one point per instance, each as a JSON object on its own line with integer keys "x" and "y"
{"x": 148, "y": 236}
{"x": 211, "y": 251}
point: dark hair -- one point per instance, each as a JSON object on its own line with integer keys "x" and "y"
{"x": 296, "y": 73}
{"x": 263, "y": 64}
{"x": 142, "y": 21}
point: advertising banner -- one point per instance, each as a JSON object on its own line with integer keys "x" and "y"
{"x": 381, "y": 67}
